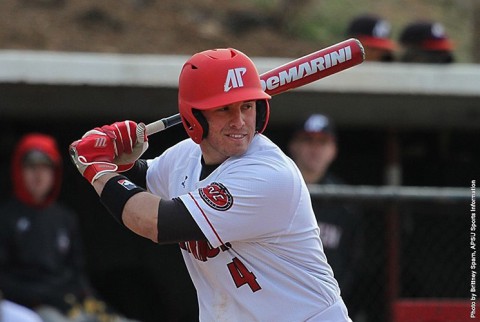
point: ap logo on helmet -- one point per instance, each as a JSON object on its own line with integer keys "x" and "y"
{"x": 234, "y": 78}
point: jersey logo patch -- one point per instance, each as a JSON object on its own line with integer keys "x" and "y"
{"x": 217, "y": 196}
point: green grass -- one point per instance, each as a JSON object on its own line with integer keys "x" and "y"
{"x": 325, "y": 21}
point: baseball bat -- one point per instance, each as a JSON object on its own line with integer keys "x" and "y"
{"x": 299, "y": 72}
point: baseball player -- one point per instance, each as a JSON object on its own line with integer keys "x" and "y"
{"x": 235, "y": 203}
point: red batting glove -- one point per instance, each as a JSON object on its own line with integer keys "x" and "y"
{"x": 130, "y": 142}
{"x": 93, "y": 155}
{"x": 125, "y": 135}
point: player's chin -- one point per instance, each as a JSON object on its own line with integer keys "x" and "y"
{"x": 237, "y": 145}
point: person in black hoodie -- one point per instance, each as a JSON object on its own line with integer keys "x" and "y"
{"x": 41, "y": 255}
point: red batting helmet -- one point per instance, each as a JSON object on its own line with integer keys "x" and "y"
{"x": 215, "y": 78}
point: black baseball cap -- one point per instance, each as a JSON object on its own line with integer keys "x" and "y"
{"x": 372, "y": 31}
{"x": 426, "y": 35}
{"x": 317, "y": 124}
{"x": 37, "y": 157}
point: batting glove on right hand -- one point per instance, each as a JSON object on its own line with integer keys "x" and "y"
{"x": 130, "y": 142}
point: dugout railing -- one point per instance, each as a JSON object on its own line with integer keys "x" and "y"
{"x": 419, "y": 250}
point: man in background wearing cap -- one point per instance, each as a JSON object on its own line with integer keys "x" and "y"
{"x": 313, "y": 147}
{"x": 374, "y": 33}
{"x": 426, "y": 42}
{"x": 41, "y": 260}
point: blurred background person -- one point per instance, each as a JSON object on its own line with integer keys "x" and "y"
{"x": 313, "y": 147}
{"x": 41, "y": 259}
{"x": 426, "y": 42}
{"x": 375, "y": 34}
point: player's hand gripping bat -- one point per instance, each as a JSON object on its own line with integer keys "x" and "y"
{"x": 294, "y": 74}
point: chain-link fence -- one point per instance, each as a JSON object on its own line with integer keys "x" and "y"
{"x": 416, "y": 249}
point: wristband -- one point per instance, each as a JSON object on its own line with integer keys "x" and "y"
{"x": 116, "y": 192}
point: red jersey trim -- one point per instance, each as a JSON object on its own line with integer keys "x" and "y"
{"x": 206, "y": 218}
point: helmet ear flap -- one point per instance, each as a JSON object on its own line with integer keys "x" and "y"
{"x": 263, "y": 114}
{"x": 202, "y": 121}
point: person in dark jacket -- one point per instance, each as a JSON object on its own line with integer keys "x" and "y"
{"x": 41, "y": 256}
{"x": 313, "y": 147}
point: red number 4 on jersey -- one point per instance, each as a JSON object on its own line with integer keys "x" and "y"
{"x": 241, "y": 275}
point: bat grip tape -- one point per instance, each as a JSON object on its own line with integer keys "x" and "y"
{"x": 116, "y": 192}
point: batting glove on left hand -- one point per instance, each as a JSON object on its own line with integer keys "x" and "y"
{"x": 93, "y": 155}
{"x": 130, "y": 141}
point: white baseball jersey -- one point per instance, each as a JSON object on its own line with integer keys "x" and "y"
{"x": 264, "y": 260}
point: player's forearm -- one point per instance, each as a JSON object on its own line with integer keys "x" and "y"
{"x": 140, "y": 212}
{"x": 99, "y": 184}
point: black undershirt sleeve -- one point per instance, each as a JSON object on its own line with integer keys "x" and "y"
{"x": 138, "y": 173}
{"x": 175, "y": 223}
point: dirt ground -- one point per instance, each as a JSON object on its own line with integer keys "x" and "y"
{"x": 144, "y": 26}
{"x": 257, "y": 27}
